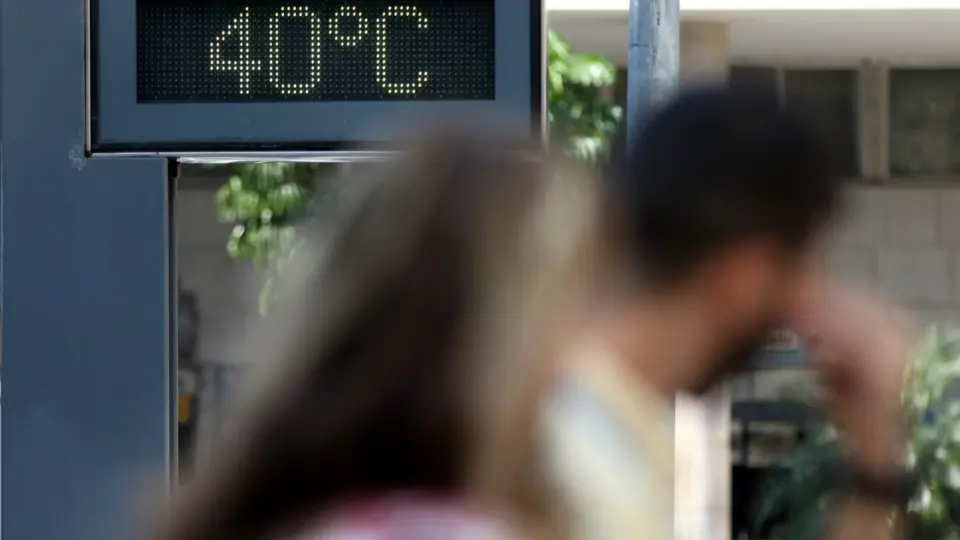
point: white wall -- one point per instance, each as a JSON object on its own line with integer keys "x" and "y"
{"x": 226, "y": 290}
{"x": 226, "y": 295}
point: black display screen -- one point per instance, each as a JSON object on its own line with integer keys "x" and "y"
{"x": 314, "y": 50}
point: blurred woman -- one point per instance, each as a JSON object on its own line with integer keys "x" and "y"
{"x": 409, "y": 355}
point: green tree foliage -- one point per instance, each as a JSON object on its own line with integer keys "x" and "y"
{"x": 264, "y": 200}
{"x": 579, "y": 118}
{"x": 932, "y": 405}
{"x": 260, "y": 199}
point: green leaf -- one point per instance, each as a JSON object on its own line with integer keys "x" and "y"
{"x": 262, "y": 201}
{"x": 579, "y": 118}
{"x": 591, "y": 70}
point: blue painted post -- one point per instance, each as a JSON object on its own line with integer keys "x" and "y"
{"x": 86, "y": 296}
{"x": 653, "y": 62}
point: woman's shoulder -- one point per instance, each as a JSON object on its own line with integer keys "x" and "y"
{"x": 411, "y": 518}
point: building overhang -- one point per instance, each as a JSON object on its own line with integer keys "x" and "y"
{"x": 694, "y": 6}
{"x": 815, "y": 32}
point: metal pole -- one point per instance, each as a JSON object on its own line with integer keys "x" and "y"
{"x": 653, "y": 63}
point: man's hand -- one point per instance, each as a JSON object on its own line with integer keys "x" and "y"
{"x": 861, "y": 350}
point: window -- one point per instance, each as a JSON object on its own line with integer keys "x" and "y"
{"x": 830, "y": 96}
{"x": 758, "y": 78}
{"x": 924, "y": 122}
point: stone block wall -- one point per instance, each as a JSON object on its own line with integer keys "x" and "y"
{"x": 906, "y": 242}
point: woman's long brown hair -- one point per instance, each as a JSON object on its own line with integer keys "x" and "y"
{"x": 410, "y": 355}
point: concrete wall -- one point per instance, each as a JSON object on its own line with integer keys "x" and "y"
{"x": 906, "y": 241}
{"x": 226, "y": 290}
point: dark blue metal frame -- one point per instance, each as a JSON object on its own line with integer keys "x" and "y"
{"x": 86, "y": 297}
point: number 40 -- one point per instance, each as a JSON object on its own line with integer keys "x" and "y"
{"x": 245, "y": 65}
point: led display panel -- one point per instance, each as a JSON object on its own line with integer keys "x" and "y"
{"x": 302, "y": 75}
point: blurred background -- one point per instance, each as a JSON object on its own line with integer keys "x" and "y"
{"x": 885, "y": 82}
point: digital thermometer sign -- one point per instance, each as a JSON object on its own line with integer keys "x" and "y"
{"x": 188, "y": 76}
{"x": 359, "y": 50}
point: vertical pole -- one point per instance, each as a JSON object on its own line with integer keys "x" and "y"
{"x": 653, "y": 63}
{"x": 85, "y": 269}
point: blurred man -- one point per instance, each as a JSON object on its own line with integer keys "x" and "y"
{"x": 723, "y": 198}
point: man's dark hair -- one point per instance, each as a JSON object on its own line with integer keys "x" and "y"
{"x": 715, "y": 167}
